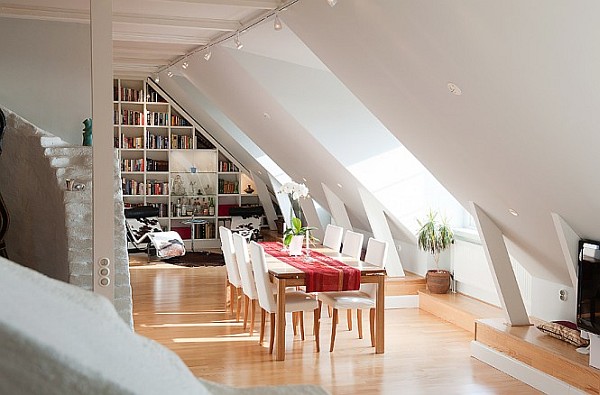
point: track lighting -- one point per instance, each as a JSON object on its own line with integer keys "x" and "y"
{"x": 277, "y": 23}
{"x": 170, "y": 73}
{"x": 332, "y": 2}
{"x": 237, "y": 41}
{"x": 185, "y": 65}
{"x": 207, "y": 55}
{"x": 156, "y": 78}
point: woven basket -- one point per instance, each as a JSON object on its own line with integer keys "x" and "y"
{"x": 438, "y": 281}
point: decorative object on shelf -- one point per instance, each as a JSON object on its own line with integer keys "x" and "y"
{"x": 434, "y": 237}
{"x": 178, "y": 188}
{"x": 193, "y": 169}
{"x": 87, "y": 132}
{"x": 249, "y": 190}
{"x": 70, "y": 182}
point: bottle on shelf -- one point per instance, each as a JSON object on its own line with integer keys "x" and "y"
{"x": 211, "y": 207}
{"x": 178, "y": 208}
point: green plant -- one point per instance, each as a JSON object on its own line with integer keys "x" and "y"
{"x": 434, "y": 236}
{"x": 297, "y": 230}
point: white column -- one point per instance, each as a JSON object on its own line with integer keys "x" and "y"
{"x": 337, "y": 208}
{"x": 283, "y": 199}
{"x": 265, "y": 200}
{"x": 102, "y": 151}
{"x": 569, "y": 243}
{"x": 381, "y": 230}
{"x": 312, "y": 218}
{"x": 500, "y": 268}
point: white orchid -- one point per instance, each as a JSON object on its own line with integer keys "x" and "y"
{"x": 296, "y": 190}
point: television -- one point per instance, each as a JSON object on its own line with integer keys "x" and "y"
{"x": 588, "y": 286}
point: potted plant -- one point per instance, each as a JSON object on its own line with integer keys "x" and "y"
{"x": 434, "y": 237}
{"x": 294, "y": 236}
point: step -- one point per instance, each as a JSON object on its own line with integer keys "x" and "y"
{"x": 531, "y": 347}
{"x": 410, "y": 284}
{"x": 459, "y": 309}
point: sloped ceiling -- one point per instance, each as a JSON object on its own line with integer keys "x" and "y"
{"x": 524, "y": 133}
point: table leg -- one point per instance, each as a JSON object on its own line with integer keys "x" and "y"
{"x": 280, "y": 338}
{"x": 379, "y": 317}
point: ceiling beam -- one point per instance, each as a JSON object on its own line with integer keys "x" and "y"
{"x": 174, "y": 21}
{"x": 159, "y": 38}
{"x": 147, "y": 53}
{"x": 140, "y": 61}
{"x": 258, "y": 4}
{"x": 44, "y": 13}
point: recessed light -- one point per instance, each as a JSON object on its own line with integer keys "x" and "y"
{"x": 303, "y": 179}
{"x": 260, "y": 172}
{"x": 339, "y": 185}
{"x": 453, "y": 88}
{"x": 185, "y": 65}
{"x": 513, "y": 212}
{"x": 170, "y": 74}
{"x": 207, "y": 55}
{"x": 267, "y": 115}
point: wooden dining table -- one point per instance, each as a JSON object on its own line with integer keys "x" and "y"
{"x": 284, "y": 275}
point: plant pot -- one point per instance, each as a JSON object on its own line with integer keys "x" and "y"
{"x": 295, "y": 247}
{"x": 438, "y": 281}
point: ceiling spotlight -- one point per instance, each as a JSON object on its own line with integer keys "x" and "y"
{"x": 277, "y": 23}
{"x": 170, "y": 74}
{"x": 453, "y": 88}
{"x": 332, "y": 2}
{"x": 513, "y": 212}
{"x": 156, "y": 78}
{"x": 207, "y": 55}
{"x": 185, "y": 65}
{"x": 339, "y": 185}
{"x": 238, "y": 43}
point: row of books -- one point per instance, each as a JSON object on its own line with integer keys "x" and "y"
{"x": 204, "y": 231}
{"x": 128, "y": 94}
{"x": 181, "y": 142}
{"x": 154, "y": 97}
{"x": 132, "y": 142}
{"x": 163, "y": 208}
{"x": 132, "y": 164}
{"x": 154, "y": 141}
{"x": 131, "y": 117}
{"x": 134, "y": 187}
{"x": 177, "y": 120}
{"x": 157, "y": 165}
{"x": 225, "y": 166}
{"x": 157, "y": 118}
{"x": 228, "y": 186}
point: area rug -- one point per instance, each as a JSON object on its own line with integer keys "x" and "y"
{"x": 198, "y": 259}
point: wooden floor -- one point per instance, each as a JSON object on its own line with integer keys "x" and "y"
{"x": 184, "y": 309}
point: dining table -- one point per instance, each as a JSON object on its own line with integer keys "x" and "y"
{"x": 284, "y": 274}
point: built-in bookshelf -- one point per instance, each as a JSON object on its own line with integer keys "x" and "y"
{"x": 168, "y": 161}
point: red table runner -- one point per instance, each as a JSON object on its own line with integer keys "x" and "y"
{"x": 323, "y": 274}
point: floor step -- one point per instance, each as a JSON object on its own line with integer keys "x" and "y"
{"x": 410, "y": 284}
{"x": 459, "y": 309}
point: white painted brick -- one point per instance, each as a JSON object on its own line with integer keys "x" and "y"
{"x": 79, "y": 255}
{"x": 82, "y": 281}
{"x": 123, "y": 291}
{"x": 80, "y": 269}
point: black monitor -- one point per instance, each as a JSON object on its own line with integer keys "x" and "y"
{"x": 588, "y": 286}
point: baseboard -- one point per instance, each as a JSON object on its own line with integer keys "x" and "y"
{"x": 402, "y": 302}
{"x": 525, "y": 373}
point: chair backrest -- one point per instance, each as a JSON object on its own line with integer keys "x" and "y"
{"x": 266, "y": 300}
{"x": 233, "y": 272}
{"x": 352, "y": 245}
{"x": 243, "y": 261}
{"x": 376, "y": 255}
{"x": 333, "y": 237}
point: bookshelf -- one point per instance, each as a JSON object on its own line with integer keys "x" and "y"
{"x": 170, "y": 162}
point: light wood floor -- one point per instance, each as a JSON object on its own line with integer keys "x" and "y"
{"x": 184, "y": 309}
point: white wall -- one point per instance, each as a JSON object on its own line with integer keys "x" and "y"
{"x": 45, "y": 74}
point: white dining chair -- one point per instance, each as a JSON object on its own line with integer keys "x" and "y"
{"x": 352, "y": 246}
{"x": 295, "y": 301}
{"x": 333, "y": 237}
{"x": 248, "y": 283}
{"x": 234, "y": 281}
{"x": 361, "y": 299}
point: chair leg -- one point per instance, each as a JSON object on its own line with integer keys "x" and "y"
{"x": 253, "y": 314}
{"x": 295, "y": 322}
{"x": 272, "y": 339}
{"x": 372, "y": 319}
{"x": 238, "y": 308}
{"x": 359, "y": 323}
{"x": 329, "y": 311}
{"x": 246, "y": 303}
{"x": 231, "y": 297}
{"x": 301, "y": 313}
{"x": 317, "y": 326}
{"x": 263, "y": 319}
{"x": 349, "y": 318}
{"x": 334, "y": 322}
